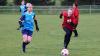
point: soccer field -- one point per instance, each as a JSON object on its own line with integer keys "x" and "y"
{"x": 49, "y": 40}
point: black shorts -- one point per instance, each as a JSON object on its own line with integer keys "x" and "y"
{"x": 27, "y": 32}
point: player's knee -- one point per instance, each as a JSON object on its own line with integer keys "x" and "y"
{"x": 29, "y": 38}
{"x": 24, "y": 38}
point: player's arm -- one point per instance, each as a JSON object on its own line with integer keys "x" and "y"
{"x": 36, "y": 23}
{"x": 25, "y": 8}
{"x": 19, "y": 9}
{"x": 70, "y": 22}
{"x": 61, "y": 16}
{"x": 21, "y": 20}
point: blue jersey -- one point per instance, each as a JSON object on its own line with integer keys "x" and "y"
{"x": 28, "y": 21}
{"x": 23, "y": 9}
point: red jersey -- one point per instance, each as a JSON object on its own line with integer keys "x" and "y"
{"x": 76, "y": 15}
{"x": 65, "y": 23}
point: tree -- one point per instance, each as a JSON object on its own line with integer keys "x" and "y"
{"x": 67, "y": 2}
{"x": 3, "y": 2}
{"x": 36, "y": 2}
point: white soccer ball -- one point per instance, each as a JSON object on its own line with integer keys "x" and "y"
{"x": 64, "y": 52}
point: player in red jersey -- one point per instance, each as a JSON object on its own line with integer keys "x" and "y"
{"x": 67, "y": 25}
{"x": 76, "y": 20}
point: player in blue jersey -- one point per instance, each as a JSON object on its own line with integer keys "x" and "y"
{"x": 28, "y": 21}
{"x": 23, "y": 9}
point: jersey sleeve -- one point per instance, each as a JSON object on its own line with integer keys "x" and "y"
{"x": 22, "y": 18}
{"x": 34, "y": 15}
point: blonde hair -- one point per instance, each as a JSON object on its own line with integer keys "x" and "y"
{"x": 29, "y": 5}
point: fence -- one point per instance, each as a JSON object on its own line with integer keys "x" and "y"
{"x": 51, "y": 10}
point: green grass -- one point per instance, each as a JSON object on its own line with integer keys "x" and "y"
{"x": 49, "y": 41}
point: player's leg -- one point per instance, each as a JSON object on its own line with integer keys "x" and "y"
{"x": 24, "y": 42}
{"x": 67, "y": 37}
{"x": 75, "y": 31}
{"x": 25, "y": 38}
{"x": 29, "y": 36}
{"x": 29, "y": 39}
{"x": 24, "y": 33}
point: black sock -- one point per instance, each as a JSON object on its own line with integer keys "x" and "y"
{"x": 24, "y": 46}
{"x": 67, "y": 38}
{"x": 27, "y": 43}
{"x": 75, "y": 32}
{"x": 66, "y": 41}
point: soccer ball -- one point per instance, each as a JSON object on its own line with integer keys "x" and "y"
{"x": 64, "y": 52}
